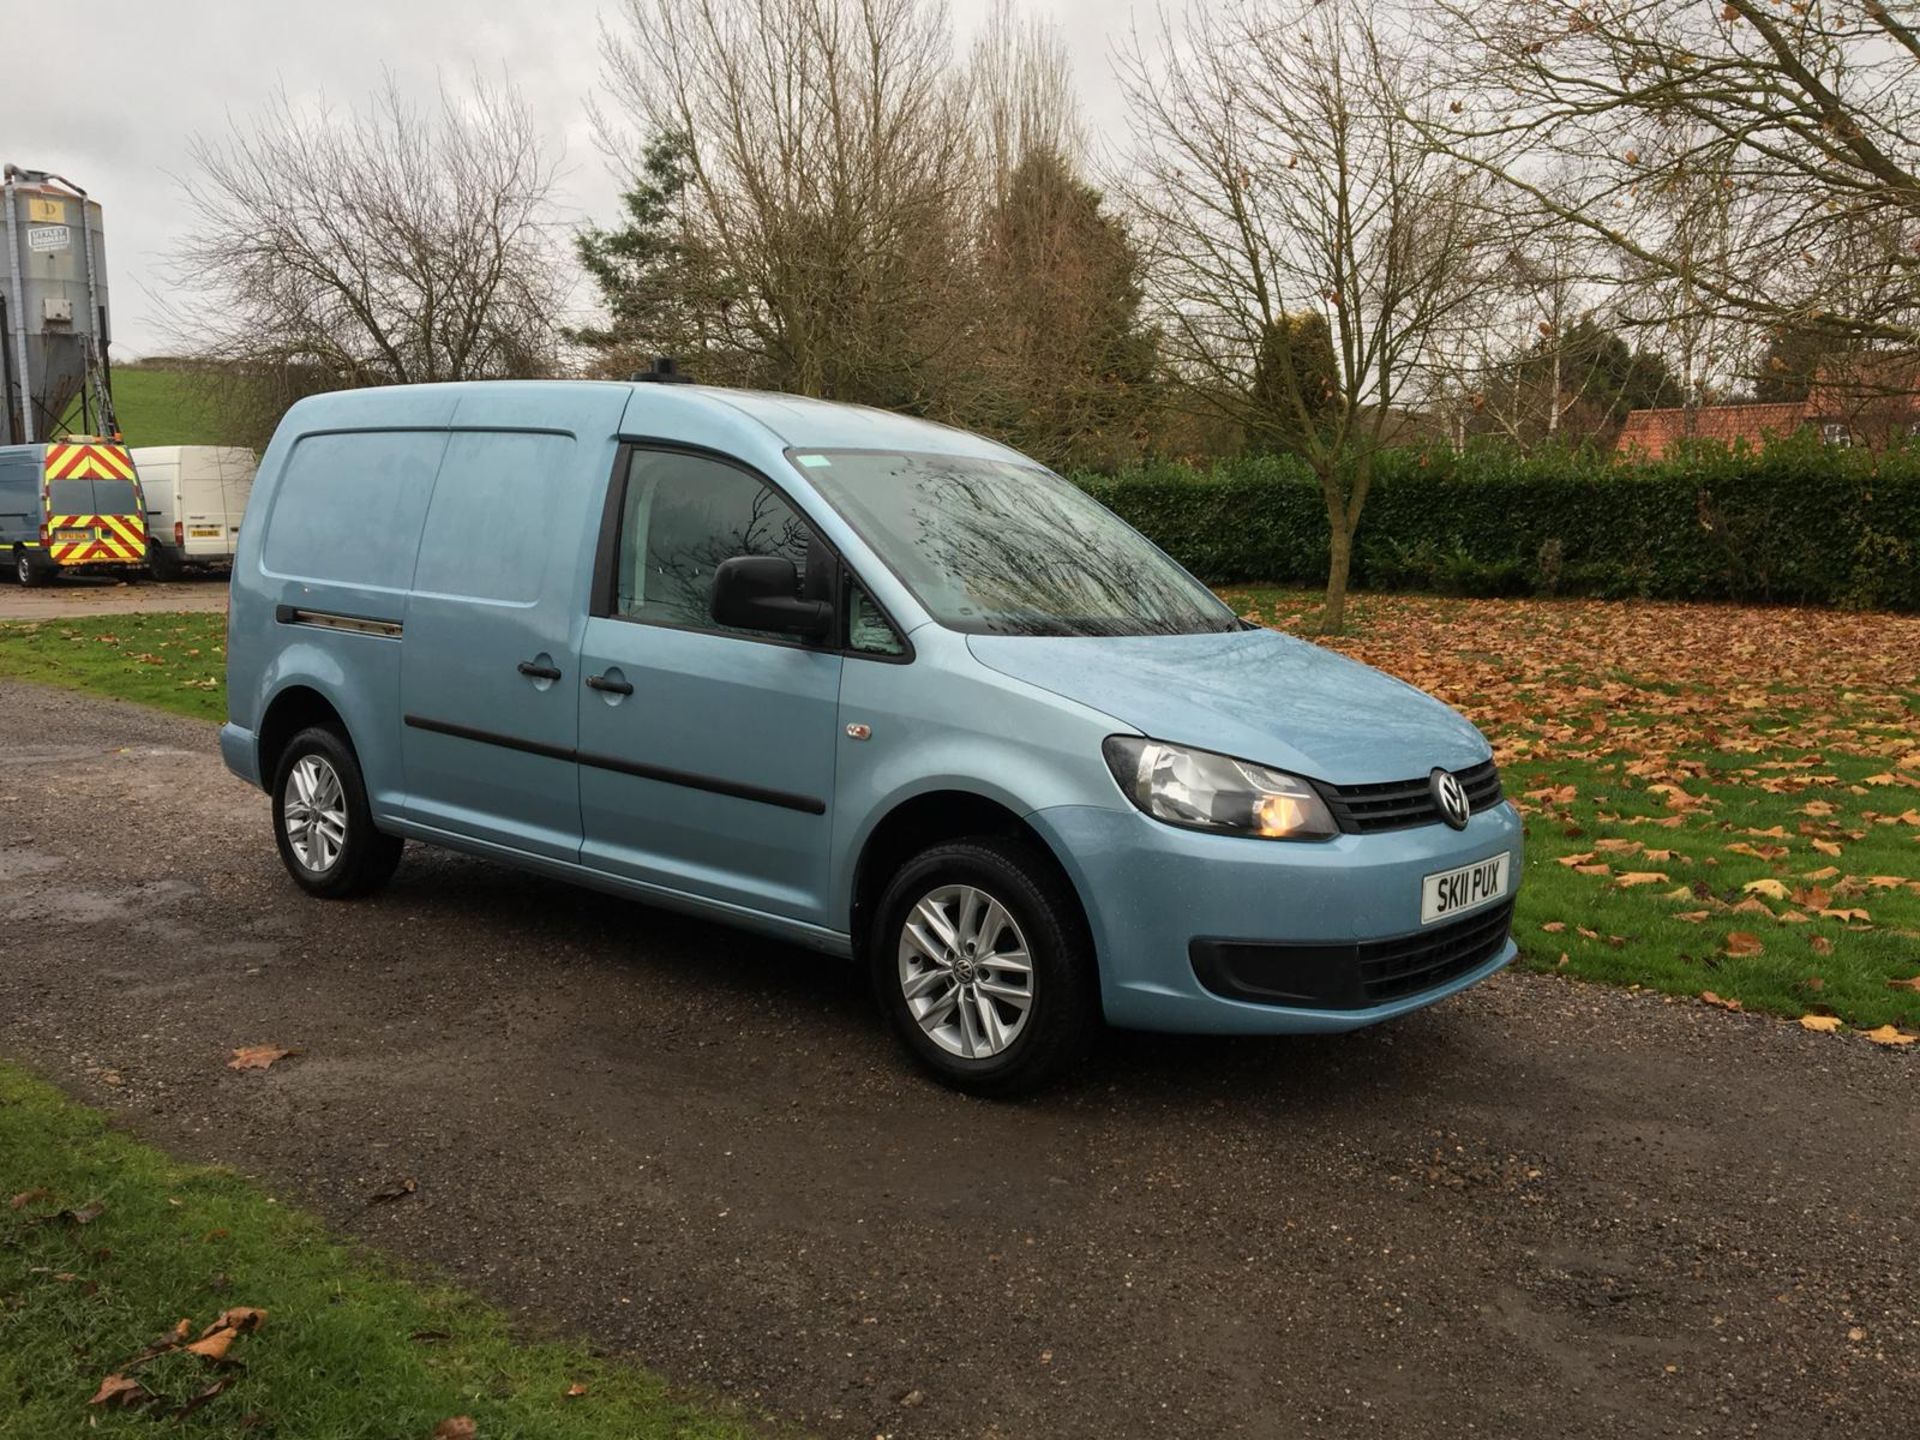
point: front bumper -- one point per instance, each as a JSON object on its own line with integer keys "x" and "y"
{"x": 1152, "y": 891}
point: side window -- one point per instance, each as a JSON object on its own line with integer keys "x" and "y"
{"x": 683, "y": 515}
{"x": 868, "y": 631}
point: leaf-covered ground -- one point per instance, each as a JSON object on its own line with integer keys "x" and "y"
{"x": 176, "y": 662}
{"x": 1718, "y": 800}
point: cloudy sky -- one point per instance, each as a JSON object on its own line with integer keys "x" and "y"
{"x": 160, "y": 71}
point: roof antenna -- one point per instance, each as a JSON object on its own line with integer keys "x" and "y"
{"x": 665, "y": 370}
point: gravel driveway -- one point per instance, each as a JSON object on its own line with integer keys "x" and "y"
{"x": 1540, "y": 1209}
{"x": 73, "y": 597}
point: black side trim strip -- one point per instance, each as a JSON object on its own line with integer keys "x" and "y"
{"x": 807, "y": 804}
{"x": 785, "y": 800}
{"x": 489, "y": 737}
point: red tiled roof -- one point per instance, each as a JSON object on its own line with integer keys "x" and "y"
{"x": 1651, "y": 433}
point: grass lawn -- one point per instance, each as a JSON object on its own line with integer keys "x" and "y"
{"x": 164, "y": 407}
{"x": 113, "y": 1258}
{"x": 1718, "y": 800}
{"x": 175, "y": 662}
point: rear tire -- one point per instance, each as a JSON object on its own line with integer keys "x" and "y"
{"x": 983, "y": 964}
{"x": 162, "y": 562}
{"x": 30, "y": 572}
{"x": 322, "y": 823}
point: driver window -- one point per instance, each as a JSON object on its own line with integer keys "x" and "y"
{"x": 683, "y": 515}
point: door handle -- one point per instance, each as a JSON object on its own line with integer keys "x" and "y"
{"x": 534, "y": 671}
{"x": 611, "y": 686}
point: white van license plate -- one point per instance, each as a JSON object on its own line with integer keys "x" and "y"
{"x": 1454, "y": 892}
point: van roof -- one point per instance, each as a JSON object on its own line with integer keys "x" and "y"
{"x": 795, "y": 421}
{"x": 807, "y": 424}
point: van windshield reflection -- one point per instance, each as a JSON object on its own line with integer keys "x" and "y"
{"x": 995, "y": 548}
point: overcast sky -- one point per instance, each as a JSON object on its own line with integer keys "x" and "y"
{"x": 159, "y": 71}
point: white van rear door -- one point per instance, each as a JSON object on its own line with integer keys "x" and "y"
{"x": 236, "y": 484}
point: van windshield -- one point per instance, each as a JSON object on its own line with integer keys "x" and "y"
{"x": 993, "y": 548}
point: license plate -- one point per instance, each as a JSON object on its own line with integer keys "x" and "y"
{"x": 210, "y": 532}
{"x": 73, "y": 537}
{"x": 1455, "y": 892}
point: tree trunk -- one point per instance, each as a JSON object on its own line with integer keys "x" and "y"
{"x": 1333, "y": 615}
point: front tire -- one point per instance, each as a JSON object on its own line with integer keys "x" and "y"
{"x": 322, "y": 823}
{"x": 984, "y": 967}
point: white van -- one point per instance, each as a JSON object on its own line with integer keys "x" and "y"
{"x": 196, "y": 495}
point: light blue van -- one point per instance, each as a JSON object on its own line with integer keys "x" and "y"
{"x": 874, "y": 686}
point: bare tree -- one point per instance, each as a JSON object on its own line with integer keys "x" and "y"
{"x": 1727, "y": 151}
{"x": 385, "y": 246}
{"x": 1021, "y": 85}
{"x": 1283, "y": 179}
{"x": 827, "y": 160}
{"x": 1059, "y": 361}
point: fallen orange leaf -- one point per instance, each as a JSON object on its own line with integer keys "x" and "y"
{"x": 119, "y": 1390}
{"x": 238, "y": 1317}
{"x": 1709, "y": 998}
{"x": 1825, "y": 1024}
{"x": 1887, "y": 1035}
{"x": 1640, "y": 877}
{"x": 1744, "y": 942}
{"x": 213, "y": 1345}
{"x": 1913, "y": 984}
{"x": 257, "y": 1057}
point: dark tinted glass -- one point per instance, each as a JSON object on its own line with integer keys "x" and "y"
{"x": 70, "y": 497}
{"x": 683, "y": 516}
{"x": 114, "y": 497}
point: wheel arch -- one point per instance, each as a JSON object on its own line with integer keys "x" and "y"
{"x": 291, "y": 710}
{"x": 933, "y": 817}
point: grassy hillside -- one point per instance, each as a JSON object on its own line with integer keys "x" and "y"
{"x": 165, "y": 407}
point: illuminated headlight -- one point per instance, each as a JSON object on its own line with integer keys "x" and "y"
{"x": 1204, "y": 791}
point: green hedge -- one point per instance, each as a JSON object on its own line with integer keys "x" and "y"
{"x": 1800, "y": 523}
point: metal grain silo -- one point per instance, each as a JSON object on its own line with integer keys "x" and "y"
{"x": 53, "y": 308}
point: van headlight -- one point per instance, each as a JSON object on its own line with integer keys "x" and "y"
{"x": 1205, "y": 791}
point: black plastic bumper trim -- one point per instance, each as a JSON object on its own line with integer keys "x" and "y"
{"x": 1354, "y": 975}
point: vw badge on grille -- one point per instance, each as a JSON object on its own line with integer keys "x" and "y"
{"x": 1451, "y": 796}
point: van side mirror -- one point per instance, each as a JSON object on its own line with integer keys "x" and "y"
{"x": 761, "y": 592}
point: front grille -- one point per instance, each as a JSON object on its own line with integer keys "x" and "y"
{"x": 1401, "y": 804}
{"x": 1353, "y": 976}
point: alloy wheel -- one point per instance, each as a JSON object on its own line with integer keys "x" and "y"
{"x": 314, "y": 811}
{"x": 966, "y": 972}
